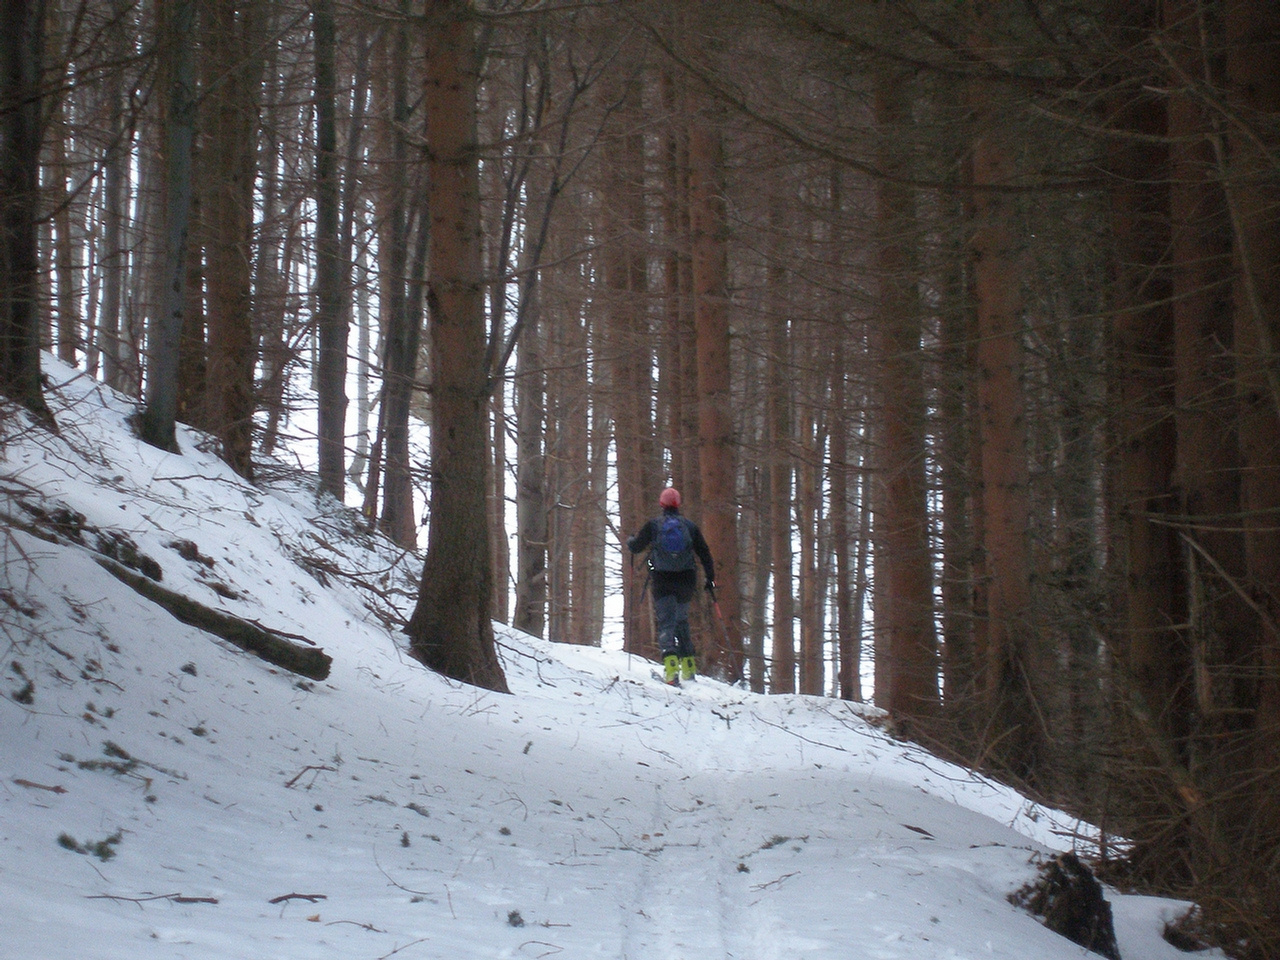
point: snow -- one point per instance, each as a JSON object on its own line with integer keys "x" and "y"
{"x": 592, "y": 813}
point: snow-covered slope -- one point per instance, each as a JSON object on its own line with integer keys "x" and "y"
{"x": 166, "y": 795}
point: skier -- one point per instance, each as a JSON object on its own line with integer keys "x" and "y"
{"x": 674, "y": 541}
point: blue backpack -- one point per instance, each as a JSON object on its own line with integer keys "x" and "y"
{"x": 672, "y": 548}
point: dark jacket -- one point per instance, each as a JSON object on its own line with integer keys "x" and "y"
{"x": 680, "y": 583}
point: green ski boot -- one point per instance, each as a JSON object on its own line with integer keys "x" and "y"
{"x": 671, "y": 670}
{"x": 688, "y": 668}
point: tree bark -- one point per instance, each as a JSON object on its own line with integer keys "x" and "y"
{"x": 1150, "y": 647}
{"x": 1253, "y": 196}
{"x": 331, "y": 319}
{"x": 450, "y": 629}
{"x": 1013, "y": 667}
{"x": 630, "y": 348}
{"x": 157, "y": 425}
{"x": 105, "y": 350}
{"x": 531, "y": 507}
{"x": 717, "y": 461}
{"x": 21, "y": 61}
{"x": 398, "y": 213}
{"x": 807, "y": 498}
{"x": 779, "y": 401}
{"x": 1207, "y": 474}
{"x": 306, "y": 661}
{"x": 234, "y": 62}
{"x": 903, "y": 557}
{"x": 69, "y": 238}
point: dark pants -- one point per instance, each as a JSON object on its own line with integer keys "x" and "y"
{"x": 672, "y": 615}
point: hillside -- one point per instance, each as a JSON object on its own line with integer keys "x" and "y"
{"x": 165, "y": 794}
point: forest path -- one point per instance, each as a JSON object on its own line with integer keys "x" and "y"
{"x": 675, "y": 913}
{"x": 693, "y": 896}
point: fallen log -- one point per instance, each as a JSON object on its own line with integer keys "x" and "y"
{"x": 310, "y": 662}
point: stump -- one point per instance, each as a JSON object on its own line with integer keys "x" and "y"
{"x": 1069, "y": 899}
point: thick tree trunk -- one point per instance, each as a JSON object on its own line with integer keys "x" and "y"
{"x": 1151, "y": 648}
{"x": 21, "y": 56}
{"x": 331, "y": 319}
{"x": 234, "y": 61}
{"x": 1253, "y": 193}
{"x": 271, "y": 269}
{"x": 960, "y": 489}
{"x": 680, "y": 370}
{"x": 903, "y": 558}
{"x": 403, "y": 320}
{"x": 717, "y": 461}
{"x": 157, "y": 425}
{"x": 1220, "y": 625}
{"x": 630, "y": 351}
{"x": 1015, "y": 663}
{"x": 575, "y": 520}
{"x": 114, "y": 259}
{"x": 451, "y": 630}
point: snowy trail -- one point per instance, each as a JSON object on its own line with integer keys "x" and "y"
{"x": 689, "y": 896}
{"x": 387, "y": 812}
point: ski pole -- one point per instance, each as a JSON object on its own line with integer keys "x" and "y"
{"x": 724, "y": 625}
{"x": 715, "y": 605}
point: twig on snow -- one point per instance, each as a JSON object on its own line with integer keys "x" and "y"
{"x": 309, "y": 897}
{"x": 316, "y": 767}
{"x": 171, "y": 897}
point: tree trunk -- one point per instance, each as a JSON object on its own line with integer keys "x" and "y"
{"x": 356, "y": 295}
{"x": 364, "y": 350}
{"x": 847, "y": 647}
{"x": 21, "y": 59}
{"x": 808, "y": 496}
{"x": 961, "y": 496}
{"x": 1150, "y": 647}
{"x": 272, "y": 264}
{"x": 402, "y": 324}
{"x": 531, "y": 508}
{"x": 630, "y": 350}
{"x": 717, "y": 461}
{"x": 69, "y": 239}
{"x": 157, "y": 425}
{"x": 779, "y": 401}
{"x": 451, "y": 630}
{"x": 234, "y": 61}
{"x": 1220, "y": 626}
{"x": 1014, "y": 664}
{"x": 331, "y": 319}
{"x": 114, "y": 259}
{"x": 903, "y": 557}
{"x": 1253, "y": 193}
{"x": 680, "y": 372}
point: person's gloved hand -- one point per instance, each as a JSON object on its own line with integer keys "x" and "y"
{"x": 631, "y": 544}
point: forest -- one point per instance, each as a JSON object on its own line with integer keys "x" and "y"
{"x": 954, "y": 321}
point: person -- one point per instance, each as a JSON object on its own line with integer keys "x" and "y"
{"x": 673, "y": 542}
